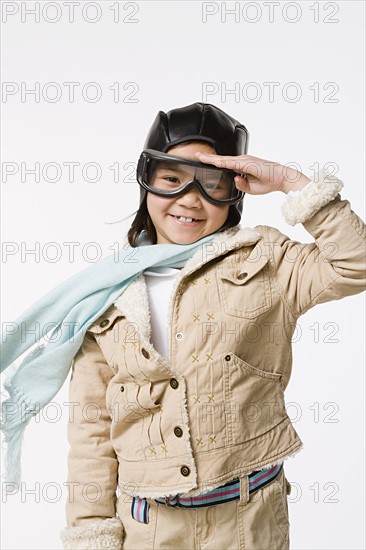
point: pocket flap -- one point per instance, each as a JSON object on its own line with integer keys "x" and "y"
{"x": 106, "y": 320}
{"x": 244, "y": 272}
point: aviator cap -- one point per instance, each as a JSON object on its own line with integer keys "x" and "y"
{"x": 199, "y": 122}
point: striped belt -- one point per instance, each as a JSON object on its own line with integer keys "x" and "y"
{"x": 230, "y": 491}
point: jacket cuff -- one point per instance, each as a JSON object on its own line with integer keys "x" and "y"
{"x": 301, "y": 205}
{"x": 106, "y": 534}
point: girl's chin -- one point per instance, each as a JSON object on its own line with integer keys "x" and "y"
{"x": 185, "y": 233}
{"x": 186, "y": 241}
{"x": 171, "y": 239}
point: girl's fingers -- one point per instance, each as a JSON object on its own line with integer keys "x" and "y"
{"x": 233, "y": 163}
{"x": 262, "y": 176}
{"x": 218, "y": 158}
{"x": 242, "y": 183}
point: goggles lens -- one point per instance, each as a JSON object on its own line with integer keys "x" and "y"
{"x": 170, "y": 176}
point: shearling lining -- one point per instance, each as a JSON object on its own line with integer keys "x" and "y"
{"x": 301, "y": 206}
{"x": 105, "y": 534}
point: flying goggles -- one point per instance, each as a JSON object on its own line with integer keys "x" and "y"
{"x": 169, "y": 176}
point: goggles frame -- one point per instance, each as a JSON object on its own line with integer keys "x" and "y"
{"x": 152, "y": 155}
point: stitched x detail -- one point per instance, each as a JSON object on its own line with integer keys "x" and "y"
{"x": 199, "y": 441}
{"x": 210, "y": 316}
{"x": 210, "y": 398}
{"x": 165, "y": 448}
{"x": 194, "y": 358}
{"x": 196, "y": 317}
{"x": 209, "y": 357}
{"x": 207, "y": 281}
{"x": 212, "y": 438}
{"x": 196, "y": 399}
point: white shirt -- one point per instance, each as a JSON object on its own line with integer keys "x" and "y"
{"x": 160, "y": 282}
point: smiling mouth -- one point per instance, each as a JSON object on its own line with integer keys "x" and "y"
{"x": 186, "y": 219}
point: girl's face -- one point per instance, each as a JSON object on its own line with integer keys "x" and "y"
{"x": 165, "y": 212}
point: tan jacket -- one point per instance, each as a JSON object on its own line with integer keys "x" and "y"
{"x": 216, "y": 409}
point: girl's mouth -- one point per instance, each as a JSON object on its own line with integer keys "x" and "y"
{"x": 185, "y": 220}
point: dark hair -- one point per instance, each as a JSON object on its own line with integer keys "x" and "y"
{"x": 142, "y": 222}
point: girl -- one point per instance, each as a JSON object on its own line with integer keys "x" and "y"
{"x": 183, "y": 346}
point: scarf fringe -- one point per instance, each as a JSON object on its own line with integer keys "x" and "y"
{"x": 13, "y": 424}
{"x": 13, "y": 429}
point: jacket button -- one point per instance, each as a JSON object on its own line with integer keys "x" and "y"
{"x": 242, "y": 275}
{"x": 122, "y": 388}
{"x": 104, "y": 323}
{"x": 178, "y": 431}
{"x": 185, "y": 471}
{"x": 179, "y": 336}
{"x": 145, "y": 353}
{"x": 180, "y": 291}
{"x": 227, "y": 357}
{"x": 174, "y": 383}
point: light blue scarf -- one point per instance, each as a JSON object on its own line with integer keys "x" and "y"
{"x": 69, "y": 309}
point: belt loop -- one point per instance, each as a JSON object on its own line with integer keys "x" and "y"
{"x": 140, "y": 509}
{"x": 244, "y": 490}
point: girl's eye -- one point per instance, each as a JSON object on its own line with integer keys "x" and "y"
{"x": 165, "y": 181}
{"x": 214, "y": 187}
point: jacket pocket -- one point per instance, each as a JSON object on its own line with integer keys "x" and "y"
{"x": 107, "y": 332}
{"x": 254, "y": 400}
{"x": 244, "y": 289}
{"x": 106, "y": 321}
{"x": 136, "y": 420}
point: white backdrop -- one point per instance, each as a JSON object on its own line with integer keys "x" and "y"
{"x": 293, "y": 73}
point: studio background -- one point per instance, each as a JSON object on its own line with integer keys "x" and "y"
{"x": 293, "y": 73}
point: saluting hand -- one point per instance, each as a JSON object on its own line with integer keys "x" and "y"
{"x": 258, "y": 176}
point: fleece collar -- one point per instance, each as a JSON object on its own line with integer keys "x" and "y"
{"x": 134, "y": 302}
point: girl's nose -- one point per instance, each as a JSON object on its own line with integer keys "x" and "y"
{"x": 191, "y": 198}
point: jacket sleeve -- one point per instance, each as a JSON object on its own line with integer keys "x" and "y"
{"x": 334, "y": 265}
{"x": 92, "y": 463}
